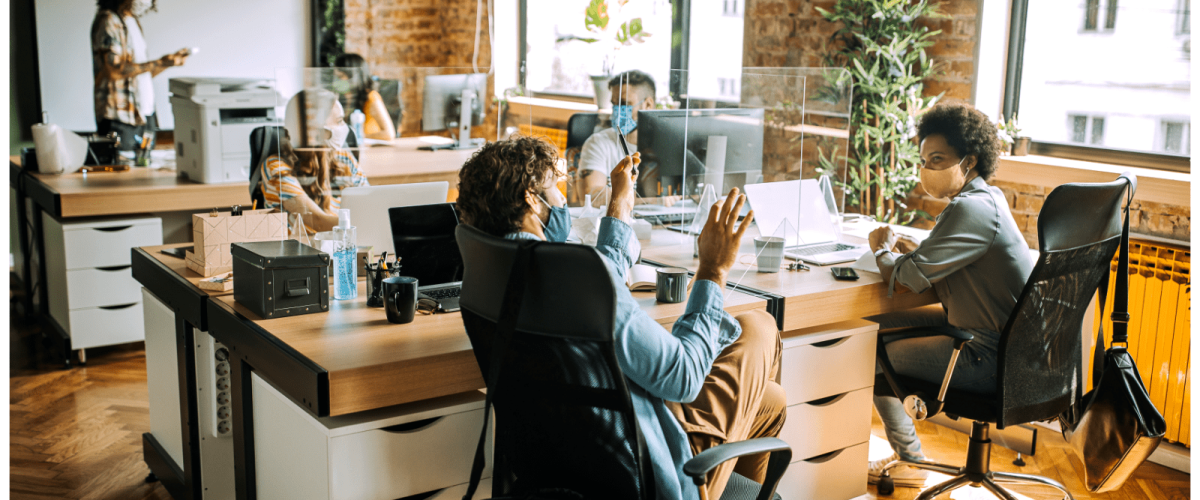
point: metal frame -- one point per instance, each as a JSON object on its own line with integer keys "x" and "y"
{"x": 775, "y": 303}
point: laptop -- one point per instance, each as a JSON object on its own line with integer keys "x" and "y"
{"x": 369, "y": 209}
{"x": 423, "y": 237}
{"x": 799, "y": 211}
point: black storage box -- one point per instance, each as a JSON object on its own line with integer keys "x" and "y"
{"x": 280, "y": 278}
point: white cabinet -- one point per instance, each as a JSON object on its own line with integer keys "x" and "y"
{"x": 829, "y": 375}
{"x": 92, "y": 293}
{"x": 383, "y": 454}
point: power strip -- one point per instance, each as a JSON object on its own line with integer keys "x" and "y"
{"x": 219, "y": 378}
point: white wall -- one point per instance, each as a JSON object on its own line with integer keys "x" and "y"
{"x": 237, "y": 38}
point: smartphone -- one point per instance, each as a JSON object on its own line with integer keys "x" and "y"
{"x": 844, "y": 273}
{"x": 178, "y": 253}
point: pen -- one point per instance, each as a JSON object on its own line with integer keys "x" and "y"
{"x": 625, "y": 146}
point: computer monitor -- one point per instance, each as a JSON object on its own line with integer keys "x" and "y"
{"x": 454, "y": 102}
{"x": 739, "y": 131}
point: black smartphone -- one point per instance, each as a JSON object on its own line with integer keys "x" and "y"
{"x": 178, "y": 253}
{"x": 844, "y": 273}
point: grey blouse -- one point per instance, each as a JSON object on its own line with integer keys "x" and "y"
{"x": 975, "y": 257}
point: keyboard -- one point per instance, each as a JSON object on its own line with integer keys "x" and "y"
{"x": 443, "y": 293}
{"x": 819, "y": 249}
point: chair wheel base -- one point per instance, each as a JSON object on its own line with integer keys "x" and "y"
{"x": 886, "y": 486}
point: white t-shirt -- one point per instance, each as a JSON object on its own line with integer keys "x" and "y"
{"x": 602, "y": 151}
{"x": 145, "y": 83}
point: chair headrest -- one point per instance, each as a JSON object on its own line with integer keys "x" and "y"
{"x": 1079, "y": 214}
{"x": 569, "y": 292}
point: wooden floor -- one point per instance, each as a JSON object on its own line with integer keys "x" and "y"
{"x": 77, "y": 434}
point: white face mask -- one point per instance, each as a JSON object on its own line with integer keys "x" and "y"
{"x": 943, "y": 183}
{"x": 141, "y": 7}
{"x": 337, "y": 135}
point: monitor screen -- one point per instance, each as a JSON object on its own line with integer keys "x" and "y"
{"x": 684, "y": 145}
{"x": 424, "y": 239}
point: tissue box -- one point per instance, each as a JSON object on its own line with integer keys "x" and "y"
{"x": 280, "y": 278}
{"x": 212, "y": 235}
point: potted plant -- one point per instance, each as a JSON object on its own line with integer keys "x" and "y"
{"x": 614, "y": 29}
{"x": 1010, "y": 134}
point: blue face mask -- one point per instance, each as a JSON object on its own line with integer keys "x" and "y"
{"x": 622, "y": 118}
{"x": 558, "y": 227}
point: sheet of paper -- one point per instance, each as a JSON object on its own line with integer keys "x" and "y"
{"x": 866, "y": 263}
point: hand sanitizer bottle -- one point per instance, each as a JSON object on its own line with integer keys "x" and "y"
{"x": 357, "y": 119}
{"x": 345, "y": 255}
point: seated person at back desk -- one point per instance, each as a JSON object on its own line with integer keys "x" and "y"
{"x": 309, "y": 179}
{"x": 976, "y": 259}
{"x": 708, "y": 381}
{"x": 632, "y": 91}
{"x": 358, "y": 91}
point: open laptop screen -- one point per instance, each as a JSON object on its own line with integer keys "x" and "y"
{"x": 795, "y": 210}
{"x": 423, "y": 236}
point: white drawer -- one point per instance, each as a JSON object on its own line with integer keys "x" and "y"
{"x": 840, "y": 475}
{"x": 827, "y": 368}
{"x": 829, "y": 424}
{"x": 407, "y": 459}
{"x": 100, "y": 326}
{"x": 102, "y": 287}
{"x": 108, "y": 245}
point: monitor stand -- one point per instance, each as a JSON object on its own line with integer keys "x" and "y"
{"x": 464, "y": 140}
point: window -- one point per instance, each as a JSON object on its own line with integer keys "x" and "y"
{"x": 1087, "y": 130}
{"x": 1183, "y": 22}
{"x": 1115, "y": 98}
{"x": 731, "y": 8}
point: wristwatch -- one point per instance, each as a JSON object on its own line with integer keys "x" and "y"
{"x": 881, "y": 251}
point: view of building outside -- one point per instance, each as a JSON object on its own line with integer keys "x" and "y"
{"x": 715, "y": 51}
{"x": 1108, "y": 73}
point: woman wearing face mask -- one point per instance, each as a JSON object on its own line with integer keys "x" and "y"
{"x": 312, "y": 166}
{"x": 975, "y": 258}
{"x": 124, "y": 91}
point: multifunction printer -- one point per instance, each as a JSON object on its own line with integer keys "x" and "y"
{"x": 213, "y": 121}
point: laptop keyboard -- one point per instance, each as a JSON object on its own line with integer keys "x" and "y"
{"x": 819, "y": 249}
{"x": 443, "y": 293}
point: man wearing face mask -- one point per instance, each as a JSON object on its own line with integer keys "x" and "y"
{"x": 632, "y": 91}
{"x": 708, "y": 381}
{"x": 975, "y": 258}
{"x": 124, "y": 91}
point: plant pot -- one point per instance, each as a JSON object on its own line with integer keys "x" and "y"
{"x": 1020, "y": 146}
{"x": 603, "y": 94}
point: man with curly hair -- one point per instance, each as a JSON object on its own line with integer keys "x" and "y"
{"x": 975, "y": 258}
{"x": 708, "y": 381}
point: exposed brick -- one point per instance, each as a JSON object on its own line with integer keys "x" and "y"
{"x": 959, "y": 7}
{"x": 1029, "y": 203}
{"x": 952, "y": 48}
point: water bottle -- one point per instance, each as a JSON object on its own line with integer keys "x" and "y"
{"x": 345, "y": 258}
{"x": 357, "y": 118}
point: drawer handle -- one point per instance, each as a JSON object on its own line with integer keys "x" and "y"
{"x": 820, "y": 459}
{"x": 411, "y": 426}
{"x": 114, "y": 268}
{"x": 114, "y": 308}
{"x": 297, "y": 287}
{"x": 112, "y": 229}
{"x": 829, "y": 401}
{"x": 831, "y": 343}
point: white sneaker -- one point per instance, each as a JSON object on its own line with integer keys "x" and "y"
{"x": 902, "y": 475}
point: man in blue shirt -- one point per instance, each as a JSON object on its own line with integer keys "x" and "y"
{"x": 709, "y": 381}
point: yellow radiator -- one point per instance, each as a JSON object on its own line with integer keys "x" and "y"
{"x": 1160, "y": 328}
{"x": 557, "y": 137}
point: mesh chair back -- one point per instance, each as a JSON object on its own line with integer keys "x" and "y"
{"x": 1040, "y": 363}
{"x": 564, "y": 418}
{"x": 580, "y": 127}
{"x": 264, "y": 142}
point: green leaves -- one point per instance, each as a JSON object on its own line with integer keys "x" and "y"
{"x": 595, "y": 17}
{"x": 631, "y": 32}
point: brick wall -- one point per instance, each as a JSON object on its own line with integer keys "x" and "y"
{"x": 397, "y": 35}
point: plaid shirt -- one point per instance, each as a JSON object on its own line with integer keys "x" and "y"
{"x": 116, "y": 96}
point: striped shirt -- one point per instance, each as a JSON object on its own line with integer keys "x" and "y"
{"x": 115, "y": 97}
{"x": 280, "y": 183}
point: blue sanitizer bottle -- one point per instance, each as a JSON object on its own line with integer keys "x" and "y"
{"x": 345, "y": 255}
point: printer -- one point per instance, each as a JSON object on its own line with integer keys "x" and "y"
{"x": 213, "y": 121}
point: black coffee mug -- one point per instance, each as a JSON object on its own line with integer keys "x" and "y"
{"x": 400, "y": 299}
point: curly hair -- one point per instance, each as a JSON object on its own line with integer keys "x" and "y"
{"x": 967, "y": 130}
{"x": 493, "y": 182}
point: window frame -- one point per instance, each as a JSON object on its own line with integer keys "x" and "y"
{"x": 1012, "y": 94}
{"x": 1183, "y": 23}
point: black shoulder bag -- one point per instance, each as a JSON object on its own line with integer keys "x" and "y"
{"x": 1115, "y": 427}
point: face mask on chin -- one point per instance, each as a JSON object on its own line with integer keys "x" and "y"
{"x": 557, "y": 227}
{"x": 943, "y": 183}
{"x": 141, "y": 7}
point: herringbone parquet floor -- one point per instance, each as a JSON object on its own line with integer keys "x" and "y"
{"x": 77, "y": 434}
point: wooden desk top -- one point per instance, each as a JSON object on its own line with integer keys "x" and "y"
{"x": 180, "y": 267}
{"x": 143, "y": 190}
{"x": 811, "y": 297}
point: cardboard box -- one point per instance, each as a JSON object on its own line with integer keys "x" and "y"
{"x": 212, "y": 236}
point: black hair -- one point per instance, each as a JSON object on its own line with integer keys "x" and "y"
{"x": 361, "y": 80}
{"x": 113, "y": 5}
{"x": 637, "y": 79}
{"x": 967, "y": 130}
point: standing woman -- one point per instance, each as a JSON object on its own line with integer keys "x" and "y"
{"x": 124, "y": 92}
{"x": 359, "y": 92}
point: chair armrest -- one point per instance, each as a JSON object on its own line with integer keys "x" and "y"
{"x": 927, "y": 409}
{"x": 781, "y": 455}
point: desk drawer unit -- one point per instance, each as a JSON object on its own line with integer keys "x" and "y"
{"x": 419, "y": 448}
{"x": 828, "y": 373}
{"x": 93, "y": 295}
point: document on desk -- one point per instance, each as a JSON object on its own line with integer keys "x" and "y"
{"x": 866, "y": 263}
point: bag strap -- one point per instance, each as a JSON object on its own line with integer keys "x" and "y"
{"x": 1120, "y": 314}
{"x": 507, "y": 324}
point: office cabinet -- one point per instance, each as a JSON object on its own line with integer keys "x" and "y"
{"x": 829, "y": 375}
{"x": 425, "y": 447}
{"x": 92, "y": 294}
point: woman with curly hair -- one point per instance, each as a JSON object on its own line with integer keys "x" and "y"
{"x": 975, "y": 258}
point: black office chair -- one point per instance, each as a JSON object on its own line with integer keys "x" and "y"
{"x": 580, "y": 127}
{"x": 1039, "y": 369}
{"x": 264, "y": 142}
{"x": 563, "y": 413}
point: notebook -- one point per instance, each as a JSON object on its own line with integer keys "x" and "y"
{"x": 641, "y": 278}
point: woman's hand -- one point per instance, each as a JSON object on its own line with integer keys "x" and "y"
{"x": 882, "y": 238}
{"x": 906, "y": 244}
{"x": 719, "y": 241}
{"x": 623, "y": 183}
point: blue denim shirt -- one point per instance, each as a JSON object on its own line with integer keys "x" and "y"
{"x": 660, "y": 365}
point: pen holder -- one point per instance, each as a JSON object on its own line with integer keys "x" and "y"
{"x": 375, "y": 276}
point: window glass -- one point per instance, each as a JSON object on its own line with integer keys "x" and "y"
{"x": 715, "y": 50}
{"x": 1118, "y": 88}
